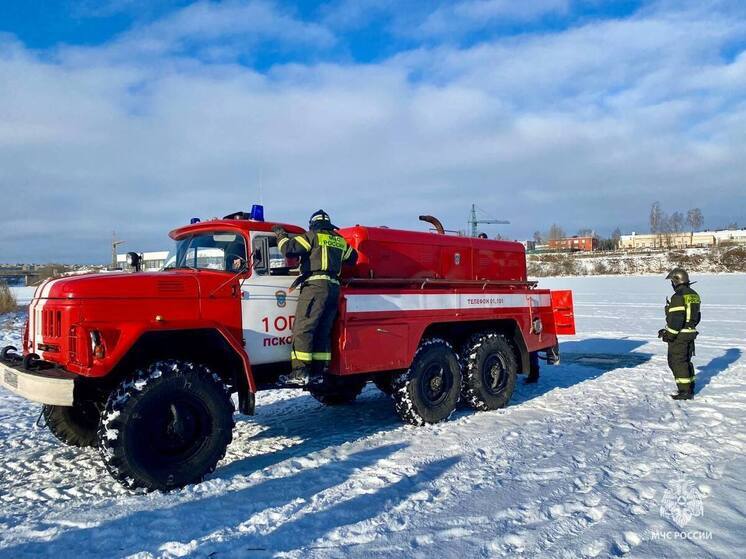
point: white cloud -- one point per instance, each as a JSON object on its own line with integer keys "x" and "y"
{"x": 584, "y": 127}
{"x": 467, "y": 15}
{"x": 218, "y": 31}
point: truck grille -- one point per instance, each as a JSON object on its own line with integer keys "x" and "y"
{"x": 49, "y": 323}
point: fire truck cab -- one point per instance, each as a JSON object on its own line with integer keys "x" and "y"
{"x": 144, "y": 365}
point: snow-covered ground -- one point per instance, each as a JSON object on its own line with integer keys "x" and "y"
{"x": 594, "y": 461}
{"x": 23, "y": 295}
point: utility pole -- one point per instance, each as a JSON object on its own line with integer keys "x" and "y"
{"x": 114, "y": 244}
{"x": 474, "y": 222}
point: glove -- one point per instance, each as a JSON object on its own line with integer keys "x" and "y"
{"x": 278, "y": 230}
{"x": 666, "y": 336}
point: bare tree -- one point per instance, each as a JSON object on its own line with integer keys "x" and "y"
{"x": 733, "y": 226}
{"x": 538, "y": 238}
{"x": 677, "y": 222}
{"x": 585, "y": 232}
{"x": 616, "y": 237}
{"x": 656, "y": 217}
{"x": 695, "y": 219}
{"x": 555, "y": 232}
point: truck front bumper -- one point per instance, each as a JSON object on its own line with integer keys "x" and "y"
{"x": 47, "y": 386}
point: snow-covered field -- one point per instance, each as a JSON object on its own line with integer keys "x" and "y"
{"x": 594, "y": 461}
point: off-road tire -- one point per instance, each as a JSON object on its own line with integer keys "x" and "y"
{"x": 490, "y": 369}
{"x": 336, "y": 390}
{"x": 418, "y": 399}
{"x": 167, "y": 426}
{"x": 75, "y": 425}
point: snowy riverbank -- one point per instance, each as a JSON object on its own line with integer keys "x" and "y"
{"x": 696, "y": 260}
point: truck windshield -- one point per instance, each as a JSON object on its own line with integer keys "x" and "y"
{"x": 208, "y": 251}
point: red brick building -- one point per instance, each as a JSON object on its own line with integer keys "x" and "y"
{"x": 586, "y": 244}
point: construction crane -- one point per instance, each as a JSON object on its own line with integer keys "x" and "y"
{"x": 114, "y": 244}
{"x": 474, "y": 222}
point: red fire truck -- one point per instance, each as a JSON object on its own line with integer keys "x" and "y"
{"x": 145, "y": 365}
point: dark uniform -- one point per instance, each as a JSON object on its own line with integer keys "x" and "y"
{"x": 322, "y": 252}
{"x": 682, "y": 317}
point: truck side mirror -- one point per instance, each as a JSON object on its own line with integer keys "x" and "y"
{"x": 259, "y": 259}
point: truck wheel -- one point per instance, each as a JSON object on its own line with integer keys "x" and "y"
{"x": 335, "y": 390}
{"x": 490, "y": 370}
{"x": 166, "y": 427}
{"x": 74, "y": 425}
{"x": 384, "y": 383}
{"x": 429, "y": 391}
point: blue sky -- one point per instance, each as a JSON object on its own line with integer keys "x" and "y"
{"x": 134, "y": 115}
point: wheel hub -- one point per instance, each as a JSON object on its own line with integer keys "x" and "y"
{"x": 495, "y": 374}
{"x": 435, "y": 383}
{"x": 179, "y": 429}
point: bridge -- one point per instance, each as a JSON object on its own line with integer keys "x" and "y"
{"x": 19, "y": 276}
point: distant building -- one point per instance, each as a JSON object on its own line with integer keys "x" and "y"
{"x": 529, "y": 245}
{"x": 683, "y": 240}
{"x": 736, "y": 236}
{"x": 151, "y": 261}
{"x": 576, "y": 243}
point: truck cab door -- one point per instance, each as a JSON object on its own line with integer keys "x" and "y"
{"x": 267, "y": 306}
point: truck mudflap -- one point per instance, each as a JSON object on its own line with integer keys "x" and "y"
{"x": 50, "y": 386}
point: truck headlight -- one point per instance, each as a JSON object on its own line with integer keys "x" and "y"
{"x": 97, "y": 344}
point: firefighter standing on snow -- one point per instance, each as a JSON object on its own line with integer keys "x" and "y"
{"x": 322, "y": 252}
{"x": 682, "y": 317}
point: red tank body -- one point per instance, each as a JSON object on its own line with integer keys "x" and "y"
{"x": 394, "y": 253}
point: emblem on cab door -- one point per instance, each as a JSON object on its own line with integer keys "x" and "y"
{"x": 457, "y": 259}
{"x": 282, "y": 298}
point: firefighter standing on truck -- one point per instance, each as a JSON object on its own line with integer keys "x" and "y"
{"x": 682, "y": 317}
{"x": 322, "y": 252}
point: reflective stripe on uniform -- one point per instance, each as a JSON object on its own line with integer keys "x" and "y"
{"x": 668, "y": 329}
{"x": 303, "y": 242}
{"x": 301, "y": 355}
{"x": 281, "y": 242}
{"x": 681, "y": 380}
{"x": 676, "y": 309}
{"x": 323, "y": 277}
{"x": 688, "y": 330}
{"x": 347, "y": 253}
{"x": 689, "y": 300}
{"x": 324, "y": 258}
{"x": 321, "y": 356}
{"x": 320, "y": 217}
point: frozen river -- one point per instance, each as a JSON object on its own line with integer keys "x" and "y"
{"x": 583, "y": 464}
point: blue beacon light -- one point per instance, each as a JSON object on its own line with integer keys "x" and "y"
{"x": 257, "y": 212}
{"x": 194, "y": 220}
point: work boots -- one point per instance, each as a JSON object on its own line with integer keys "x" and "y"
{"x": 297, "y": 377}
{"x": 684, "y": 393}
